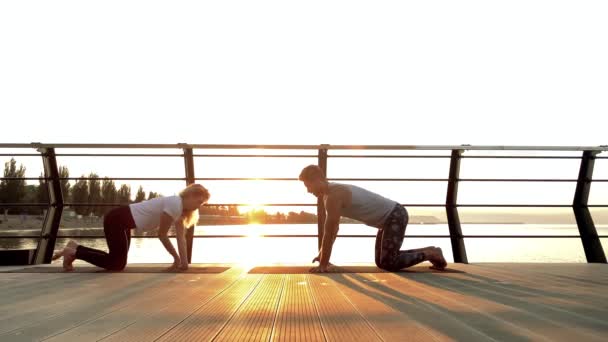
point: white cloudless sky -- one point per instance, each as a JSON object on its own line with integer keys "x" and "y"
{"x": 290, "y": 72}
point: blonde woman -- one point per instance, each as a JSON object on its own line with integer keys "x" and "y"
{"x": 161, "y": 213}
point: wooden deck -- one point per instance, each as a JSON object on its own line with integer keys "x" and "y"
{"x": 478, "y": 302}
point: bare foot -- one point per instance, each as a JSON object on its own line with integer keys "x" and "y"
{"x": 68, "y": 259}
{"x": 436, "y": 258}
{"x": 69, "y": 255}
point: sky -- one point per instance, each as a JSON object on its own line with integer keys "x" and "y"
{"x": 295, "y": 72}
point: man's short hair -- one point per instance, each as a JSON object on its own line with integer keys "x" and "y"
{"x": 311, "y": 172}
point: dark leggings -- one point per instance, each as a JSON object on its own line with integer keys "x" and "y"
{"x": 389, "y": 241}
{"x": 117, "y": 225}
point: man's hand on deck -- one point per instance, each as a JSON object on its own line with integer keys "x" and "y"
{"x": 177, "y": 266}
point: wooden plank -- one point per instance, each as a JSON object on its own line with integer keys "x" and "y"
{"x": 17, "y": 281}
{"x": 560, "y": 286}
{"x": 515, "y": 302}
{"x": 208, "y": 321}
{"x": 581, "y": 299}
{"x": 544, "y": 319}
{"x": 378, "y": 308}
{"x": 585, "y": 274}
{"x": 492, "y": 319}
{"x": 297, "y": 317}
{"x": 542, "y": 288}
{"x": 340, "y": 320}
{"x": 60, "y": 304}
{"x": 255, "y": 318}
{"x": 191, "y": 296}
{"x": 41, "y": 286}
{"x": 428, "y": 311}
{"x": 147, "y": 302}
{"x": 582, "y": 278}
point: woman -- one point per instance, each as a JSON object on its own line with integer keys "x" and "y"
{"x": 161, "y": 213}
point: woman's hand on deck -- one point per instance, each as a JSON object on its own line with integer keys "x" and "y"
{"x": 319, "y": 269}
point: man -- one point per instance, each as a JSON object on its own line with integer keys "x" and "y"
{"x": 372, "y": 209}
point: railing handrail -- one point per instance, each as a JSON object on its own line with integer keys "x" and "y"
{"x": 587, "y": 231}
{"x": 601, "y": 148}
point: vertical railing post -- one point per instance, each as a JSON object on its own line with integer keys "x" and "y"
{"x": 591, "y": 242}
{"x": 189, "y": 167}
{"x": 322, "y": 162}
{"x": 458, "y": 249}
{"x": 50, "y": 228}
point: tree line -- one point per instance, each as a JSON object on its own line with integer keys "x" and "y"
{"x": 86, "y": 192}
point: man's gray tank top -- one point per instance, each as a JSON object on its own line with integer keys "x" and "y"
{"x": 366, "y": 206}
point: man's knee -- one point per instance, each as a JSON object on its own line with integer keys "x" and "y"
{"x": 387, "y": 264}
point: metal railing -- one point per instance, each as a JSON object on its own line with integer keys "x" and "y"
{"x": 588, "y": 233}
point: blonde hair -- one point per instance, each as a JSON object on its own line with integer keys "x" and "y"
{"x": 190, "y": 218}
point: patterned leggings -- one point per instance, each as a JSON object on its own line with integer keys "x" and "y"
{"x": 389, "y": 241}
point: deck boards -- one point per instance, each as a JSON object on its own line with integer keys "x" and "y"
{"x": 486, "y": 302}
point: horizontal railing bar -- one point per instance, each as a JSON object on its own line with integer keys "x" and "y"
{"x": 387, "y": 156}
{"x": 314, "y": 204}
{"x": 519, "y": 157}
{"x": 514, "y": 205}
{"x": 287, "y": 156}
{"x": 315, "y": 236}
{"x": 523, "y": 180}
{"x": 258, "y": 155}
{"x": 315, "y": 147}
{"x": 91, "y": 178}
{"x": 522, "y": 236}
{"x": 244, "y": 179}
{"x": 117, "y": 155}
{"x": 330, "y": 179}
{"x": 389, "y": 179}
{"x": 244, "y": 204}
{"x": 209, "y": 204}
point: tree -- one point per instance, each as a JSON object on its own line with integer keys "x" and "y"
{"x": 65, "y": 183}
{"x": 80, "y": 195}
{"x": 153, "y": 194}
{"x": 233, "y": 210}
{"x": 124, "y": 194}
{"x": 12, "y": 191}
{"x": 42, "y": 192}
{"x": 94, "y": 194}
{"x": 109, "y": 194}
{"x": 30, "y": 196}
{"x": 141, "y": 195}
{"x": 279, "y": 217}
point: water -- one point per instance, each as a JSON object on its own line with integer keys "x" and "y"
{"x": 258, "y": 250}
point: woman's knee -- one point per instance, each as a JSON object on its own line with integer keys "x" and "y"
{"x": 118, "y": 264}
